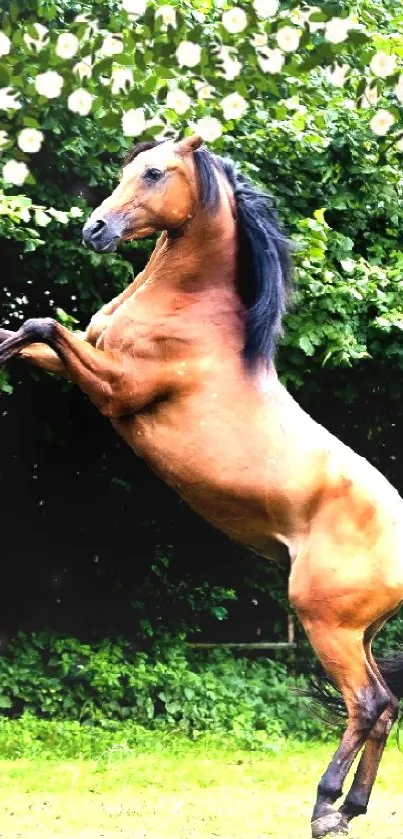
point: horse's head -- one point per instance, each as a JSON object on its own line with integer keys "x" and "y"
{"x": 157, "y": 191}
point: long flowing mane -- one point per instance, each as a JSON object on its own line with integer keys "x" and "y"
{"x": 264, "y": 273}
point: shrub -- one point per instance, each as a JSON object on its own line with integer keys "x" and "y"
{"x": 171, "y": 688}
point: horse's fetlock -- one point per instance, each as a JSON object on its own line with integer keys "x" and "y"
{"x": 40, "y": 329}
{"x": 356, "y": 804}
{"x": 370, "y": 709}
{"x": 329, "y": 790}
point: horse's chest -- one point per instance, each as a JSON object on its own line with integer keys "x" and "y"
{"x": 124, "y": 331}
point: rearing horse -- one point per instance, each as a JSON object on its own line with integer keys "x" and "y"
{"x": 181, "y": 363}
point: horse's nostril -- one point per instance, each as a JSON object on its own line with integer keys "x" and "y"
{"x": 101, "y": 235}
{"x": 98, "y": 226}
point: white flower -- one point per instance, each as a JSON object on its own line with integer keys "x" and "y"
{"x": 168, "y": 15}
{"x": 208, "y": 128}
{"x": 3, "y": 139}
{"x": 383, "y": 65}
{"x": 348, "y": 265}
{"x": 66, "y": 45}
{"x": 234, "y": 106}
{"x": 49, "y": 84}
{"x": 92, "y": 29}
{"x": 121, "y": 78}
{"x": 204, "y": 91}
{"x": 8, "y": 100}
{"x": 336, "y": 75}
{"x": 134, "y": 7}
{"x": 41, "y": 40}
{"x": 80, "y": 102}
{"x": 111, "y": 46}
{"x": 399, "y": 89}
{"x": 369, "y": 97}
{"x": 259, "y": 40}
{"x": 315, "y": 25}
{"x": 5, "y": 44}
{"x": 293, "y": 104}
{"x": 337, "y": 29}
{"x": 271, "y": 61}
{"x": 178, "y": 101}
{"x": 15, "y": 172}
{"x": 134, "y": 122}
{"x": 231, "y": 69}
{"x": 265, "y": 8}
{"x": 30, "y": 140}
{"x": 83, "y": 68}
{"x": 188, "y": 54}
{"x": 381, "y": 122}
{"x": 288, "y": 38}
{"x": 234, "y": 20}
{"x": 155, "y": 121}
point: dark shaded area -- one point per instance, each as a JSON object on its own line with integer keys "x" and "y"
{"x": 84, "y": 522}
{"x": 94, "y": 544}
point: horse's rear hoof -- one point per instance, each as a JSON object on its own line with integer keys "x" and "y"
{"x": 332, "y": 824}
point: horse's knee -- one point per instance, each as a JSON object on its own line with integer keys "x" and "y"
{"x": 369, "y": 708}
{"x": 329, "y": 786}
{"x": 381, "y": 730}
{"x": 40, "y": 330}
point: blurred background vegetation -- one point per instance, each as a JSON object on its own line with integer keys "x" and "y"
{"x": 94, "y": 547}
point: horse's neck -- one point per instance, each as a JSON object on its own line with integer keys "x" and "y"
{"x": 190, "y": 284}
{"x": 199, "y": 264}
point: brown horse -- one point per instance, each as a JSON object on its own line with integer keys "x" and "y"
{"x": 181, "y": 363}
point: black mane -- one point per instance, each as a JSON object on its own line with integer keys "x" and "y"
{"x": 264, "y": 255}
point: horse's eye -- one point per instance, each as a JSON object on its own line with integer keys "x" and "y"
{"x": 153, "y": 175}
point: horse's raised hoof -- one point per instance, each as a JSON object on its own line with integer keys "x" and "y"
{"x": 331, "y": 824}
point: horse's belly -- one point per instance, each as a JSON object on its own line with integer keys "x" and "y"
{"x": 223, "y": 478}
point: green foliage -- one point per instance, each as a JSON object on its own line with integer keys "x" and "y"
{"x": 309, "y": 141}
{"x": 33, "y": 737}
{"x": 305, "y": 134}
{"x": 390, "y": 638}
{"x": 170, "y": 688}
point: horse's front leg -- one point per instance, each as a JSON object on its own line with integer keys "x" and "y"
{"x": 4, "y": 334}
{"x": 112, "y": 384}
{"x": 39, "y": 355}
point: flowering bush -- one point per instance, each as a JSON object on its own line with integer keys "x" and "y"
{"x": 307, "y": 99}
{"x": 134, "y": 58}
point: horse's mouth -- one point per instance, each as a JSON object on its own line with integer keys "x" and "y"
{"x": 110, "y": 247}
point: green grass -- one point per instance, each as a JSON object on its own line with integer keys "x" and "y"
{"x": 184, "y": 792}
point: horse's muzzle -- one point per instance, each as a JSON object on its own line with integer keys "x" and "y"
{"x": 101, "y": 235}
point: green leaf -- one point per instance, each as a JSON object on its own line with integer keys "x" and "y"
{"x": 306, "y": 345}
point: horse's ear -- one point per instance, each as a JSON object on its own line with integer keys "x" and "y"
{"x": 188, "y": 144}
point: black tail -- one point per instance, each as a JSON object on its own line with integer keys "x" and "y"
{"x": 391, "y": 668}
{"x": 325, "y": 695}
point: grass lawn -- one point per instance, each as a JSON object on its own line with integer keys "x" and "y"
{"x": 183, "y": 794}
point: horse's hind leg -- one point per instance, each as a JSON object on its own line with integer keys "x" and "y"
{"x": 357, "y": 798}
{"x": 341, "y": 651}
